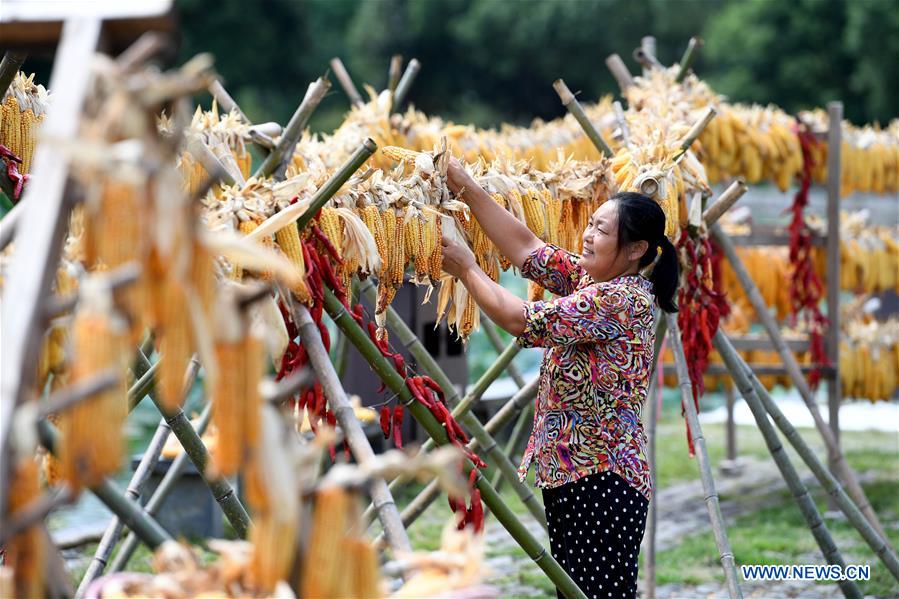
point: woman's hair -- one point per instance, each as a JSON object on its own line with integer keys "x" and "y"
{"x": 640, "y": 218}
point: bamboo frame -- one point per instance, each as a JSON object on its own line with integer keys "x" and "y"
{"x": 491, "y": 498}
{"x": 577, "y": 111}
{"x": 221, "y": 489}
{"x": 9, "y": 66}
{"x": 620, "y": 72}
{"x": 468, "y": 420}
{"x": 145, "y": 527}
{"x": 792, "y": 367}
{"x": 402, "y": 88}
{"x": 702, "y": 457}
{"x": 688, "y": 58}
{"x": 22, "y": 320}
{"x": 276, "y": 162}
{"x": 355, "y": 437}
{"x": 346, "y": 82}
{"x": 762, "y": 406}
{"x": 158, "y": 497}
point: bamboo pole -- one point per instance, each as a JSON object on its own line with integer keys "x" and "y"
{"x": 832, "y": 249}
{"x": 159, "y": 495}
{"x": 492, "y": 331}
{"x": 705, "y": 468}
{"x": 758, "y": 398}
{"x": 577, "y": 111}
{"x": 494, "y": 453}
{"x": 355, "y": 437}
{"x": 346, "y": 82}
{"x": 336, "y": 181}
{"x": 645, "y": 54}
{"x": 402, "y": 88}
{"x": 166, "y": 485}
{"x": 35, "y": 512}
{"x": 620, "y": 72}
{"x": 9, "y": 66}
{"x": 839, "y": 464}
{"x": 697, "y": 128}
{"x": 219, "y": 486}
{"x": 519, "y": 401}
{"x": 276, "y": 162}
{"x": 653, "y": 416}
{"x": 520, "y": 432}
{"x": 727, "y": 199}
{"x": 689, "y": 56}
{"x": 224, "y": 99}
{"x": 471, "y": 397}
{"x": 145, "y": 527}
{"x": 393, "y": 77}
{"x": 494, "y": 502}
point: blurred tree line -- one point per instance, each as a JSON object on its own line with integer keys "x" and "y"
{"x": 492, "y": 61}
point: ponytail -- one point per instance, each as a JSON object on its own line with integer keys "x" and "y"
{"x": 665, "y": 276}
{"x": 640, "y": 218}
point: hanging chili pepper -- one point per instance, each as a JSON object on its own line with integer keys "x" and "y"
{"x": 326, "y": 243}
{"x": 385, "y": 421}
{"x": 398, "y": 426}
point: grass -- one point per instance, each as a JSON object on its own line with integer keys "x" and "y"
{"x": 779, "y": 534}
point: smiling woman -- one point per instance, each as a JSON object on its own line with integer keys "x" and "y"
{"x": 587, "y": 442}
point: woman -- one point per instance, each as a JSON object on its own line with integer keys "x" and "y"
{"x": 587, "y": 442}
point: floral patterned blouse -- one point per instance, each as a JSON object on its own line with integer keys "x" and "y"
{"x": 595, "y": 372}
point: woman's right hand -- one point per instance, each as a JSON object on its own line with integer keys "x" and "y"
{"x": 457, "y": 178}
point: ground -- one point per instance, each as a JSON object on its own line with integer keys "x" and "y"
{"x": 763, "y": 523}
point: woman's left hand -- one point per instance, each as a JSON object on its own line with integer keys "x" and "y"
{"x": 457, "y": 257}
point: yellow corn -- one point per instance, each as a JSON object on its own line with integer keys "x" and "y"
{"x": 332, "y": 226}
{"x": 175, "y": 343}
{"x": 535, "y": 292}
{"x": 288, "y": 240}
{"x": 398, "y": 247}
{"x": 86, "y": 454}
{"x": 399, "y": 154}
{"x": 324, "y": 575}
{"x": 236, "y": 401}
{"x": 25, "y": 551}
{"x": 435, "y": 259}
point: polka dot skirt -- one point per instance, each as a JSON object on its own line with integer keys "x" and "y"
{"x": 596, "y": 524}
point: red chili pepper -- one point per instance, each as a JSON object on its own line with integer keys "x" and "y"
{"x": 326, "y": 336}
{"x": 434, "y": 387}
{"x": 385, "y": 421}
{"x": 326, "y": 243}
{"x": 477, "y": 511}
{"x": 399, "y": 364}
{"x": 398, "y": 426}
{"x": 357, "y": 313}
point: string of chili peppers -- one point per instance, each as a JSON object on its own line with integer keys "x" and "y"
{"x": 319, "y": 256}
{"x": 701, "y": 307}
{"x": 17, "y": 179}
{"x": 806, "y": 288}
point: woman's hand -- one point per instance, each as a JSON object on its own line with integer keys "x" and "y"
{"x": 457, "y": 257}
{"x": 457, "y": 178}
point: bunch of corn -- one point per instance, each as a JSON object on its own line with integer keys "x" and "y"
{"x": 22, "y": 110}
{"x": 224, "y": 134}
{"x": 869, "y": 155}
{"x": 756, "y": 143}
{"x": 869, "y": 359}
{"x": 769, "y": 267}
{"x": 869, "y": 255}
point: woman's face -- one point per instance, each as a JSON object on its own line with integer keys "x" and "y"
{"x": 601, "y": 257}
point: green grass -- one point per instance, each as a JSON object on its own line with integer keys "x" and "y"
{"x": 779, "y": 534}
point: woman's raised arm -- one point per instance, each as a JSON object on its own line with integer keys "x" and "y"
{"x": 512, "y": 237}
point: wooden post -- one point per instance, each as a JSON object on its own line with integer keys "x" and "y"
{"x": 9, "y": 66}
{"x": 832, "y": 340}
{"x": 651, "y": 420}
{"x": 620, "y": 72}
{"x": 33, "y": 266}
{"x": 731, "y": 426}
{"x": 346, "y": 82}
{"x": 702, "y": 457}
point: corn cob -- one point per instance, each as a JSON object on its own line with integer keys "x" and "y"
{"x": 399, "y": 154}
{"x": 435, "y": 258}
{"x": 332, "y": 227}
{"x": 236, "y": 398}
{"x": 85, "y": 456}
{"x": 25, "y": 551}
{"x": 288, "y": 240}
{"x": 323, "y": 573}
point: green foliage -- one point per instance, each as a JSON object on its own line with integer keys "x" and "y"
{"x": 488, "y": 62}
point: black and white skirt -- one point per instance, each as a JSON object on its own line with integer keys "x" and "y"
{"x": 596, "y": 524}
